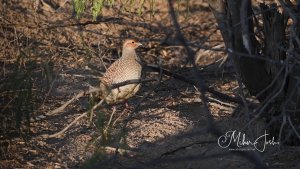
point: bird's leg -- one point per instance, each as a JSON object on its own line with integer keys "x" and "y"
{"x": 92, "y": 111}
{"x": 127, "y": 106}
{"x": 125, "y": 111}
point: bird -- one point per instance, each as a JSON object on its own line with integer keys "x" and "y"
{"x": 127, "y": 67}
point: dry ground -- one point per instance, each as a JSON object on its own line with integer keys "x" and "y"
{"x": 168, "y": 129}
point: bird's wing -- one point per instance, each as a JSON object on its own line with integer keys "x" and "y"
{"x": 112, "y": 72}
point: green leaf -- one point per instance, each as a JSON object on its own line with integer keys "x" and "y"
{"x": 141, "y": 5}
{"x": 97, "y": 8}
{"x": 79, "y": 6}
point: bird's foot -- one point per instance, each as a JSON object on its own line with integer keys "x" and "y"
{"x": 128, "y": 107}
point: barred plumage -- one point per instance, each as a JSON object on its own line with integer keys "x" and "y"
{"x": 125, "y": 68}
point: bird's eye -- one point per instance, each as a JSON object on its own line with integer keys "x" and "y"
{"x": 132, "y": 42}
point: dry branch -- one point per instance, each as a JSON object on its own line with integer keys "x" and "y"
{"x": 119, "y": 151}
{"x": 73, "y": 122}
{"x": 191, "y": 82}
{"x": 61, "y": 108}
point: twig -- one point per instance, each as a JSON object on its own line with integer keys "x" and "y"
{"x": 191, "y": 82}
{"x": 81, "y": 76}
{"x": 92, "y": 111}
{"x": 73, "y": 122}
{"x": 109, "y": 121}
{"x": 134, "y": 81}
{"x": 119, "y": 150}
{"x": 62, "y": 107}
{"x": 220, "y": 102}
{"x": 107, "y": 19}
{"x": 184, "y": 147}
{"x": 221, "y": 107}
{"x": 293, "y": 127}
{"x": 282, "y": 125}
{"x": 66, "y": 128}
{"x": 116, "y": 120}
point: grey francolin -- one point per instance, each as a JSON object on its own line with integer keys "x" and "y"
{"x": 127, "y": 67}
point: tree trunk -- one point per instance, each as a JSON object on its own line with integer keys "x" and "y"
{"x": 251, "y": 70}
{"x": 269, "y": 67}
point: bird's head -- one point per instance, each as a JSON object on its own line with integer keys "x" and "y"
{"x": 131, "y": 44}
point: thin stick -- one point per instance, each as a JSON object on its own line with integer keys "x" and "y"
{"x": 62, "y": 107}
{"x": 66, "y": 128}
{"x": 73, "y": 122}
{"x": 119, "y": 150}
{"x": 189, "y": 81}
{"x": 109, "y": 121}
{"x": 293, "y": 127}
{"x": 125, "y": 111}
{"x": 92, "y": 111}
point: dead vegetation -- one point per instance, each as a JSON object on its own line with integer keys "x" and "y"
{"x": 48, "y": 56}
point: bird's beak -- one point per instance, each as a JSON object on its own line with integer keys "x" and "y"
{"x": 139, "y": 44}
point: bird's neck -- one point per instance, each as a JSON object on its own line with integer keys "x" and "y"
{"x": 129, "y": 54}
